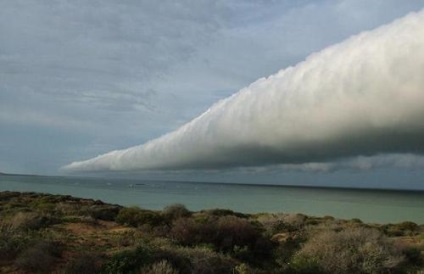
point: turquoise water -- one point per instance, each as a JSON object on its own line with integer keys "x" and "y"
{"x": 377, "y": 206}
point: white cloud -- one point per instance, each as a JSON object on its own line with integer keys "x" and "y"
{"x": 363, "y": 96}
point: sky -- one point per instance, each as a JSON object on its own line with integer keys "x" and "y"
{"x": 80, "y": 79}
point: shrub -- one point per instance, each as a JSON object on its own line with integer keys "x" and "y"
{"x": 203, "y": 260}
{"x": 304, "y": 265}
{"x": 46, "y": 207}
{"x": 83, "y": 264}
{"x": 224, "y": 212}
{"x": 127, "y": 238}
{"x": 224, "y": 232}
{"x": 45, "y": 204}
{"x": 31, "y": 221}
{"x": 356, "y": 221}
{"x": 135, "y": 216}
{"x": 401, "y": 229}
{"x": 197, "y": 260}
{"x": 353, "y": 250}
{"x": 413, "y": 256}
{"x": 408, "y": 226}
{"x": 243, "y": 269}
{"x": 162, "y": 267}
{"x": 277, "y": 223}
{"x": 106, "y": 213}
{"x": 8, "y": 195}
{"x": 39, "y": 258}
{"x": 228, "y": 234}
{"x": 175, "y": 211}
{"x": 269, "y": 221}
{"x": 68, "y": 208}
{"x": 128, "y": 261}
{"x": 187, "y": 231}
{"x": 232, "y": 231}
{"x": 11, "y": 242}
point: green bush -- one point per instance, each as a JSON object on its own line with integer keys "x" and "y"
{"x": 224, "y": 212}
{"x": 32, "y": 221}
{"x": 161, "y": 267}
{"x": 175, "y": 211}
{"x": 106, "y": 213}
{"x": 278, "y": 223}
{"x": 128, "y": 261}
{"x": 408, "y": 226}
{"x": 45, "y": 204}
{"x": 12, "y": 242}
{"x": 135, "y": 216}
{"x": 304, "y": 265}
{"x": 401, "y": 229}
{"x": 128, "y": 238}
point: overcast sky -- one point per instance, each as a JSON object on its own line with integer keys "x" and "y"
{"x": 82, "y": 78}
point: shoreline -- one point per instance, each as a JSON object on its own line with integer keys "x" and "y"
{"x": 369, "y": 206}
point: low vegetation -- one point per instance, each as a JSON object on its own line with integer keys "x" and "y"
{"x": 41, "y": 233}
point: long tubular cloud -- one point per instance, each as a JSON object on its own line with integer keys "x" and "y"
{"x": 364, "y": 96}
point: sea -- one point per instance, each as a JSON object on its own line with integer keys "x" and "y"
{"x": 368, "y": 205}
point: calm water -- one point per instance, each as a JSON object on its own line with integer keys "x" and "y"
{"x": 379, "y": 206}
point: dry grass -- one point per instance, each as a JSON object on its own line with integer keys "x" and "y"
{"x": 161, "y": 267}
{"x": 353, "y": 250}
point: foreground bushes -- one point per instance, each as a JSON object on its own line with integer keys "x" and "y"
{"x": 61, "y": 234}
{"x": 224, "y": 233}
{"x": 128, "y": 261}
{"x": 11, "y": 242}
{"x": 352, "y": 250}
{"x": 229, "y": 234}
{"x": 39, "y": 257}
{"x": 162, "y": 267}
{"x": 168, "y": 259}
{"x": 84, "y": 263}
{"x": 196, "y": 260}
